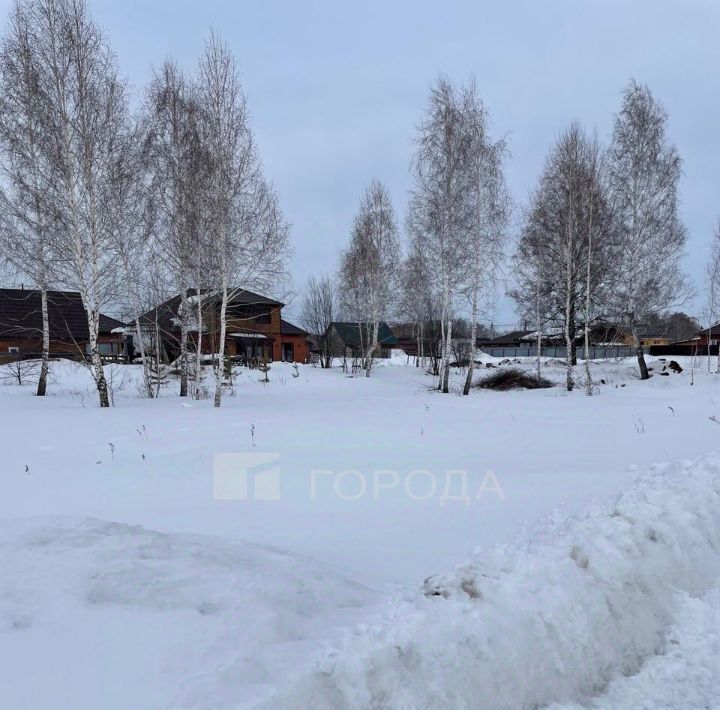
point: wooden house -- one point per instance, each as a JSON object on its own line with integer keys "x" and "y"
{"x": 348, "y": 339}
{"x": 21, "y": 326}
{"x": 255, "y": 329}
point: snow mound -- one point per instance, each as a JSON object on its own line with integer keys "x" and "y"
{"x": 554, "y": 617}
{"x": 116, "y": 616}
{"x": 686, "y": 675}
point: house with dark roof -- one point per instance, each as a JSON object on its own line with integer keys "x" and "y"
{"x": 704, "y": 338}
{"x": 21, "y": 326}
{"x": 509, "y": 340}
{"x": 294, "y": 343}
{"x": 255, "y": 330}
{"x": 602, "y": 333}
{"x": 409, "y": 340}
{"x": 351, "y": 339}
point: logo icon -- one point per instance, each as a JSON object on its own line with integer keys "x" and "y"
{"x": 246, "y": 476}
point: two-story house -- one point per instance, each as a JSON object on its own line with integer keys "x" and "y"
{"x": 255, "y": 328}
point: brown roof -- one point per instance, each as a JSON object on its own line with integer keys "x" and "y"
{"x": 713, "y": 330}
{"x": 108, "y": 324}
{"x": 512, "y": 338}
{"x": 354, "y": 334}
{"x": 404, "y": 331}
{"x": 21, "y": 315}
{"x": 287, "y": 328}
{"x": 167, "y": 312}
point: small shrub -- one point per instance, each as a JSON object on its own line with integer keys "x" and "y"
{"x": 512, "y": 378}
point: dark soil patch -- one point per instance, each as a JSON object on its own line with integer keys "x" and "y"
{"x": 504, "y": 379}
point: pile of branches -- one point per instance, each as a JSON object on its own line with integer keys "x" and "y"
{"x": 512, "y": 378}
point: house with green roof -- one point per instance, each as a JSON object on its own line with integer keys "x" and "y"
{"x": 351, "y": 339}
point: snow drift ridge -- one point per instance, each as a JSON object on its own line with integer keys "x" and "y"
{"x": 551, "y": 618}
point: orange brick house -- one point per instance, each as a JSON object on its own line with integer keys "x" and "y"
{"x": 255, "y": 328}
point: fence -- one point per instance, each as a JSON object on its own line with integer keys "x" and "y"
{"x": 688, "y": 350}
{"x": 597, "y": 352}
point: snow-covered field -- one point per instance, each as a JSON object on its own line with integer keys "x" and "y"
{"x": 141, "y": 566}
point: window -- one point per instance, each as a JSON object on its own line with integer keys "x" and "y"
{"x": 107, "y": 349}
{"x": 240, "y": 312}
{"x": 256, "y": 312}
{"x": 14, "y": 350}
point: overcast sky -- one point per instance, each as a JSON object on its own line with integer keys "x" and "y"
{"x": 336, "y": 89}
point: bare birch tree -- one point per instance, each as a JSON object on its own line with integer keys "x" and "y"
{"x": 568, "y": 230}
{"x": 597, "y": 211}
{"x": 712, "y": 276}
{"x": 247, "y": 232}
{"x": 131, "y": 244}
{"x": 530, "y": 268}
{"x": 368, "y": 268}
{"x": 86, "y": 120}
{"x": 178, "y": 170}
{"x": 25, "y": 165}
{"x": 644, "y": 171}
{"x": 318, "y": 312}
{"x": 419, "y": 304}
{"x": 438, "y": 203}
{"x": 488, "y": 214}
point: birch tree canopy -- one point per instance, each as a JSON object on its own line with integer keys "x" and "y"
{"x": 369, "y": 266}
{"x": 644, "y": 171}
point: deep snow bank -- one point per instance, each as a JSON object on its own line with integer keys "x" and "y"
{"x": 95, "y": 614}
{"x": 553, "y": 618}
{"x": 685, "y": 677}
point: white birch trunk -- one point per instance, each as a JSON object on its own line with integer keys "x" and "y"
{"x": 473, "y": 340}
{"x": 644, "y": 374}
{"x": 44, "y": 366}
{"x": 588, "y": 376}
{"x": 539, "y": 325}
{"x": 709, "y": 344}
{"x": 93, "y": 317}
{"x": 568, "y": 335}
{"x": 219, "y": 366}
{"x": 445, "y": 335}
{"x": 419, "y": 358}
{"x": 158, "y": 359}
{"x": 183, "y": 342}
{"x": 198, "y": 347}
{"x": 372, "y": 345}
{"x": 443, "y": 328}
{"x": 147, "y": 384}
{"x": 446, "y": 373}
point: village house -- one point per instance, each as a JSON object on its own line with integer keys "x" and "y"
{"x": 704, "y": 339}
{"x": 348, "y": 339}
{"x": 601, "y": 333}
{"x": 604, "y": 333}
{"x": 706, "y": 336}
{"x": 406, "y": 335}
{"x": 256, "y": 331}
{"x": 513, "y": 339}
{"x": 21, "y": 326}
